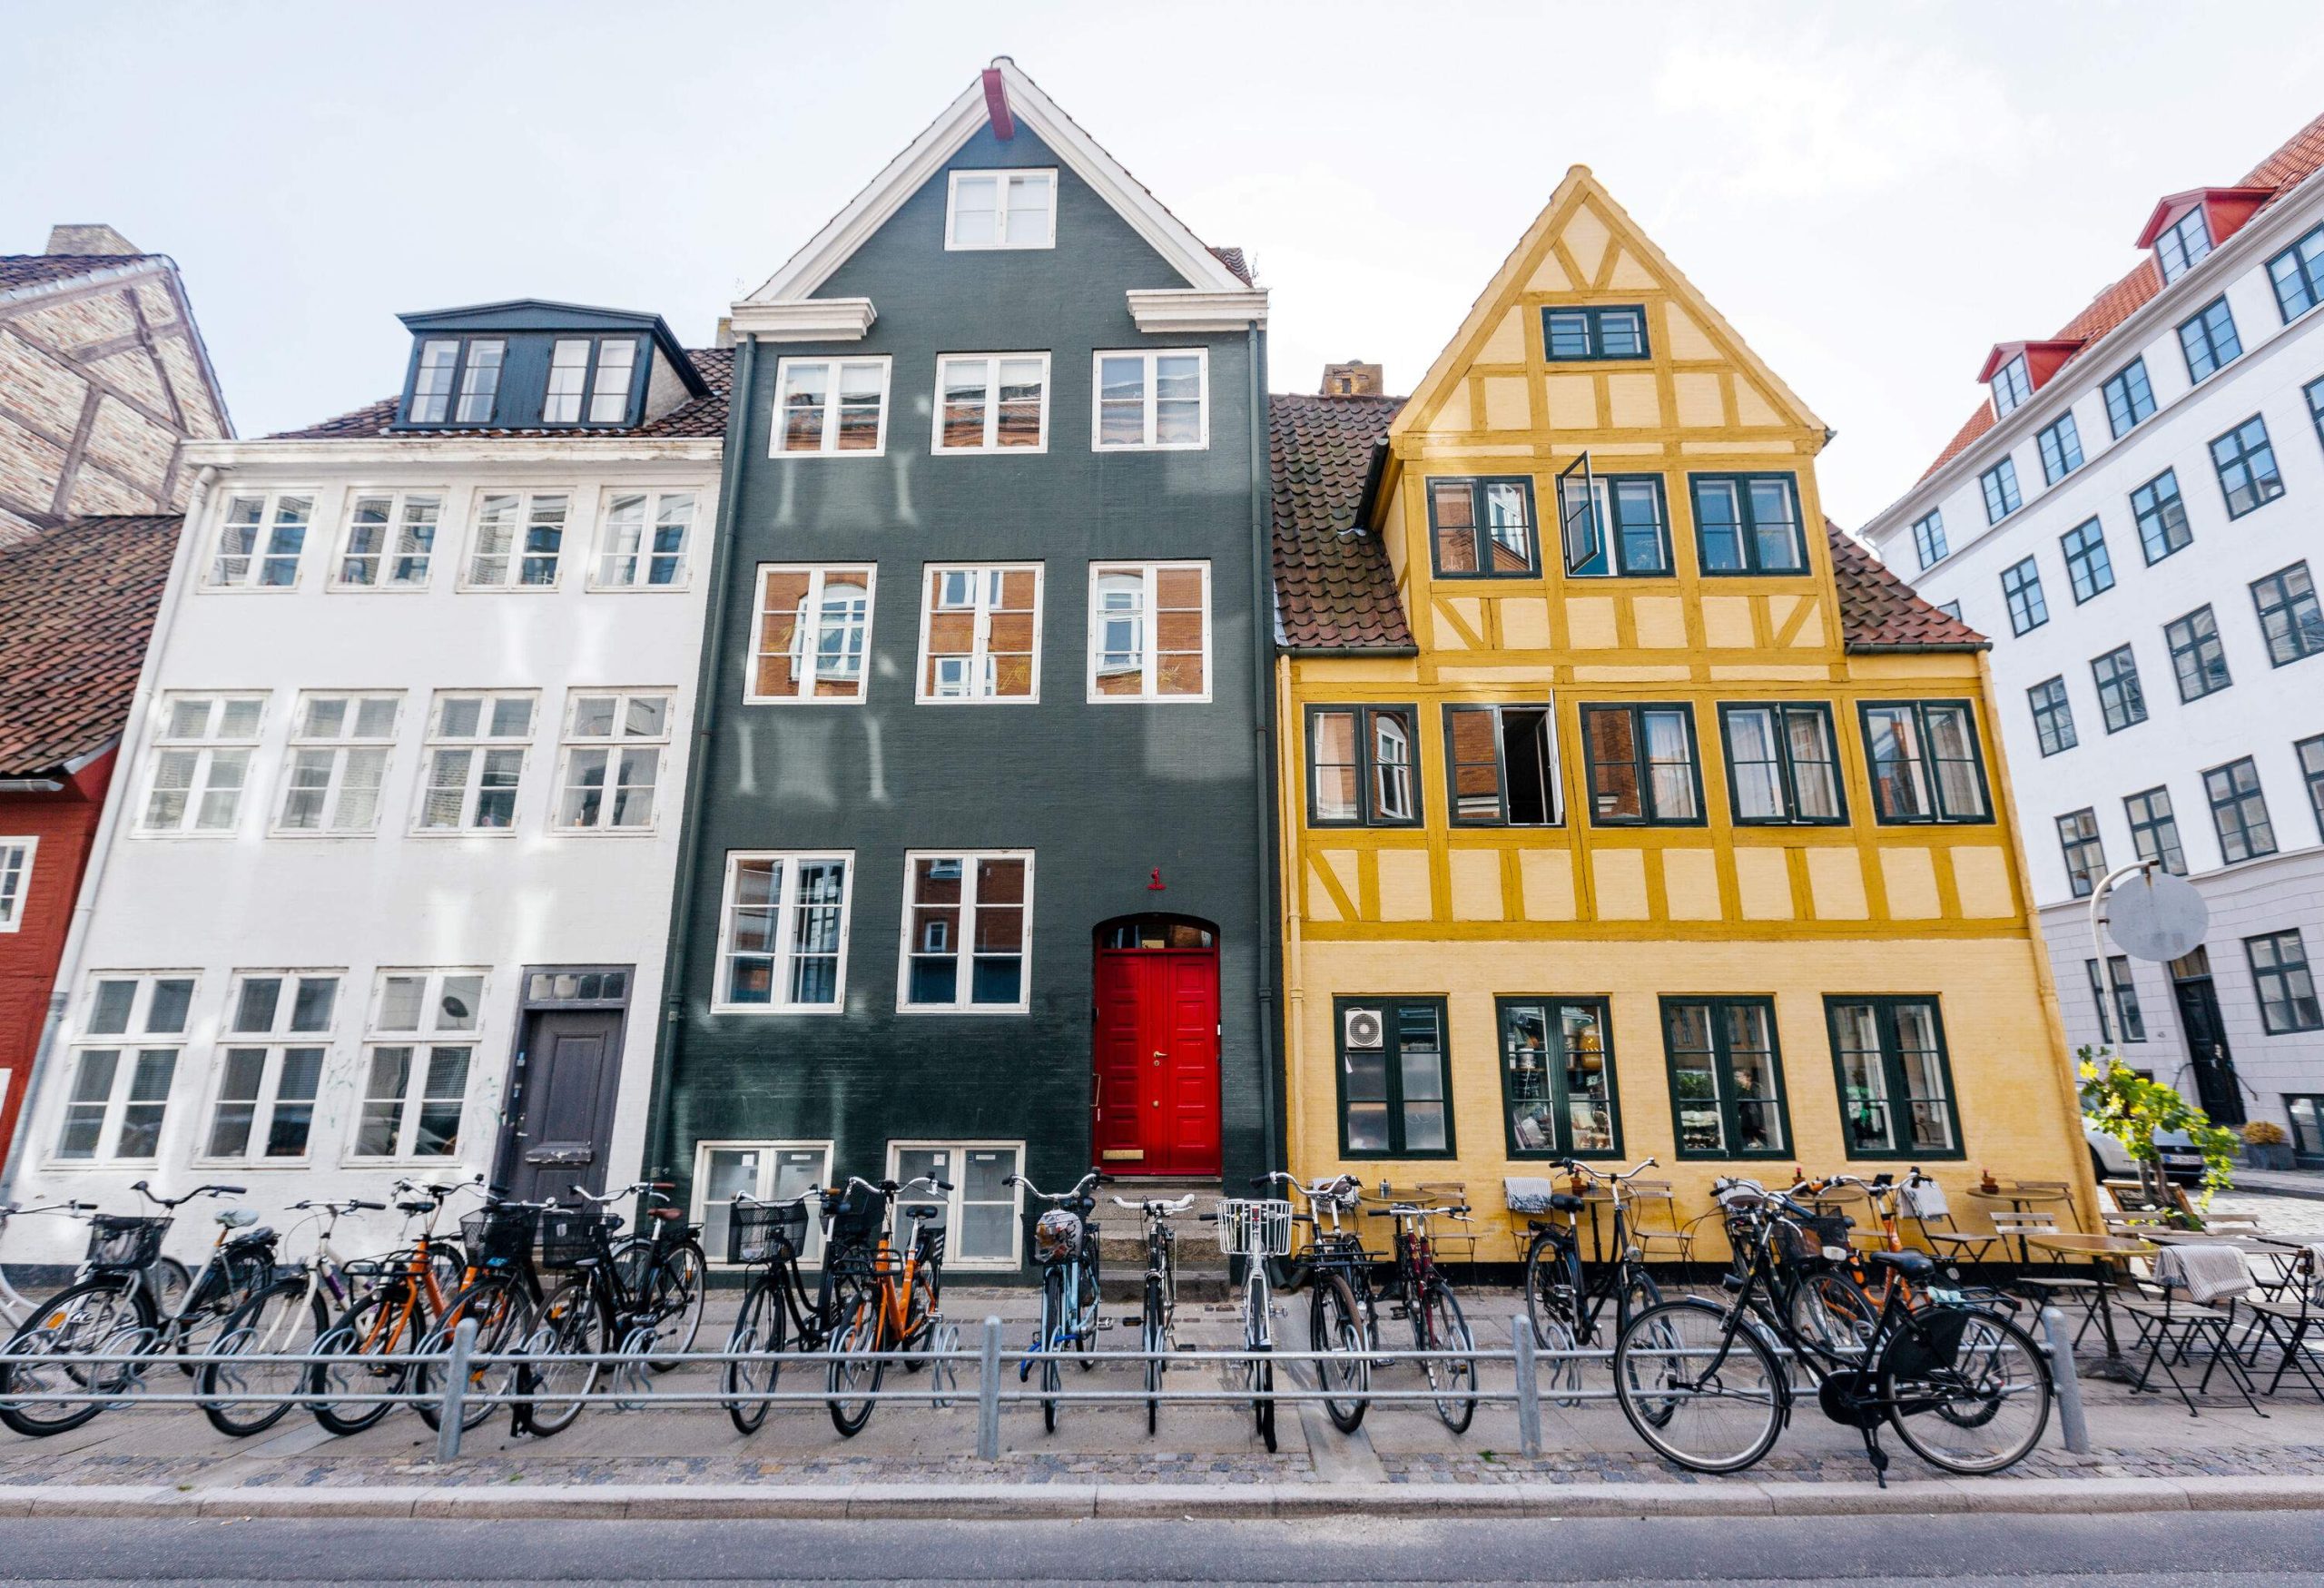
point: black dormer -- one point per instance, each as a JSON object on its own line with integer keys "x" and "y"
{"x": 531, "y": 364}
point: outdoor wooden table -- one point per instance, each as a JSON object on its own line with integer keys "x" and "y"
{"x": 2021, "y": 1200}
{"x": 2103, "y": 1252}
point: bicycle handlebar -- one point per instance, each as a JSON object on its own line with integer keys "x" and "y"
{"x": 1154, "y": 1208}
{"x": 1081, "y": 1188}
{"x": 144, "y": 1188}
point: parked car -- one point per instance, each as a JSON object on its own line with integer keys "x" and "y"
{"x": 2109, "y": 1159}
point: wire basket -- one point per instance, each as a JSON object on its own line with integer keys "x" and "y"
{"x": 570, "y": 1237}
{"x": 500, "y": 1236}
{"x": 759, "y": 1232}
{"x": 1805, "y": 1239}
{"x": 858, "y": 1216}
{"x": 1254, "y": 1228}
{"x": 118, "y": 1240}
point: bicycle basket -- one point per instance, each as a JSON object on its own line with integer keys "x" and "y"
{"x": 1806, "y": 1238}
{"x": 1254, "y": 1228}
{"x": 498, "y": 1237}
{"x": 759, "y": 1232}
{"x": 125, "y": 1241}
{"x": 1929, "y": 1342}
{"x": 858, "y": 1216}
{"x": 569, "y": 1237}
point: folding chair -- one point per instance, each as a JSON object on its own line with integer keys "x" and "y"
{"x": 2171, "y": 1329}
{"x": 1653, "y": 1200}
{"x": 2050, "y": 1289}
{"x": 2293, "y": 1318}
{"x": 1924, "y": 1202}
{"x": 2230, "y": 1224}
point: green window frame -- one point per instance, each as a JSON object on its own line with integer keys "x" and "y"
{"x": 2314, "y": 392}
{"x": 2297, "y": 275}
{"x": 1354, "y": 775}
{"x": 1725, "y": 1060}
{"x": 2084, "y": 850}
{"x": 2198, "y": 657}
{"x": 1748, "y": 524}
{"x": 2239, "y": 811}
{"x": 2245, "y": 460}
{"x": 1628, "y": 521}
{"x": 2060, "y": 443}
{"x": 2309, "y": 752}
{"x": 1557, "y": 1077}
{"x": 2117, "y": 1004}
{"x": 1894, "y": 1076}
{"x": 2011, "y": 387}
{"x": 1399, "y": 1092}
{"x": 1500, "y": 764}
{"x": 2184, "y": 244}
{"x": 2208, "y": 338}
{"x": 2052, "y": 716}
{"x": 2000, "y": 485}
{"x": 1783, "y": 763}
{"x": 2281, "y": 983}
{"x": 2129, "y": 398}
{"x": 2289, "y": 617}
{"x": 1928, "y": 537}
{"x": 2162, "y": 517}
{"x": 2122, "y": 699}
{"x": 2155, "y": 829}
{"x": 1636, "y": 777}
{"x": 1595, "y": 333}
{"x": 1474, "y": 521}
{"x": 2089, "y": 570}
{"x": 1925, "y": 762}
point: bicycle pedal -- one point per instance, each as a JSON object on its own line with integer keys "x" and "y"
{"x": 1134, "y": 1323}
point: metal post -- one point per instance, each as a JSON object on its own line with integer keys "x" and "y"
{"x": 456, "y": 1391}
{"x": 988, "y": 1394}
{"x": 2076, "y": 1431}
{"x": 1529, "y": 1398}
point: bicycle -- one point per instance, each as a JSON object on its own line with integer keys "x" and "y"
{"x": 1158, "y": 1319}
{"x": 666, "y": 1251}
{"x": 889, "y": 1303}
{"x": 1701, "y": 1384}
{"x": 14, "y": 1305}
{"x": 248, "y": 1355}
{"x": 501, "y": 1292}
{"x": 1065, "y": 1246}
{"x": 404, "y": 1292}
{"x": 1419, "y": 1291}
{"x": 763, "y": 1237}
{"x": 1336, "y": 1272}
{"x": 608, "y": 1306}
{"x": 1256, "y": 1231}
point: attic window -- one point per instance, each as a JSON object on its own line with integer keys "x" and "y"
{"x": 1001, "y": 208}
{"x": 1615, "y": 332}
{"x": 2183, "y": 244}
{"x": 595, "y": 372}
{"x": 2011, "y": 385}
{"x": 448, "y": 364}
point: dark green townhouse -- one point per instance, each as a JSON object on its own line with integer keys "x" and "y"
{"x": 977, "y": 877}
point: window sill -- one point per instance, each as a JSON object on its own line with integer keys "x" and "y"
{"x": 508, "y": 831}
{"x": 337, "y": 588}
{"x": 976, "y": 700}
{"x": 856, "y": 699}
{"x": 551, "y": 588}
{"x": 1038, "y": 451}
{"x": 288, "y": 589}
{"x": 1203, "y": 446}
{"x": 1202, "y": 699}
{"x": 679, "y": 588}
{"x": 973, "y": 1010}
{"x": 779, "y": 454}
{"x": 805, "y": 1009}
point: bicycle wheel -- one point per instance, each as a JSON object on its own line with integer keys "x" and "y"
{"x": 1046, "y": 1343}
{"x": 504, "y": 1319}
{"x": 1639, "y": 1292}
{"x": 855, "y": 1370}
{"x": 1153, "y": 1340}
{"x": 1258, "y": 1367}
{"x": 1831, "y": 1310}
{"x": 681, "y": 1292}
{"x": 168, "y": 1280}
{"x": 1334, "y": 1325}
{"x": 1439, "y": 1326}
{"x": 1550, "y": 1294}
{"x": 285, "y": 1318}
{"x": 759, "y": 1330}
{"x": 362, "y": 1349}
{"x": 1983, "y": 1409}
{"x": 920, "y": 1313}
{"x": 551, "y": 1378}
{"x": 1699, "y": 1389}
{"x": 102, "y": 1316}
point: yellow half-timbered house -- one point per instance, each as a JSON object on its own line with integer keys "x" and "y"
{"x": 1628, "y": 809}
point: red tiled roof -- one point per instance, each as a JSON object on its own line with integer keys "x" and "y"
{"x": 35, "y": 270}
{"x": 1880, "y": 611}
{"x": 77, "y": 608}
{"x": 701, "y": 416}
{"x": 1333, "y": 590}
{"x": 2301, "y": 157}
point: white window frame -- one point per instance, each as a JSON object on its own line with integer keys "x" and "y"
{"x": 786, "y": 906}
{"x": 422, "y": 1039}
{"x": 337, "y": 749}
{"x": 804, "y": 638}
{"x": 980, "y": 656}
{"x": 811, "y": 1255}
{"x": 400, "y": 505}
{"x": 479, "y": 746}
{"x": 1002, "y": 240}
{"x": 274, "y": 1044}
{"x": 991, "y": 446}
{"x": 1098, "y": 443}
{"x": 1149, "y": 653}
{"x": 827, "y": 444}
{"x": 215, "y": 579}
{"x": 964, "y": 950}
{"x": 613, "y": 744}
{"x": 16, "y": 857}
{"x": 514, "y": 559}
{"x": 642, "y": 559}
{"x": 130, "y": 1045}
{"x": 205, "y": 750}
{"x": 953, "y": 1201}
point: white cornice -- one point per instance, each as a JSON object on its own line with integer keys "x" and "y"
{"x": 431, "y": 451}
{"x": 1185, "y": 309}
{"x": 805, "y": 319}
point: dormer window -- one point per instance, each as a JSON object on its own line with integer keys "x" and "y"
{"x": 1618, "y": 331}
{"x": 2183, "y": 244}
{"x": 591, "y": 371}
{"x": 1001, "y": 208}
{"x": 2011, "y": 385}
{"x": 447, "y": 364}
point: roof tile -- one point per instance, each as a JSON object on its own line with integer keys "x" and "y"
{"x": 36, "y": 270}
{"x": 702, "y": 416}
{"x": 1880, "y": 612}
{"x": 1334, "y": 587}
{"x": 76, "y": 609}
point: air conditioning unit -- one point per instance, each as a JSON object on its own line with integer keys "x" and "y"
{"x": 1362, "y": 1029}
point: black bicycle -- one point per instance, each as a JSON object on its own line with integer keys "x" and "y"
{"x": 1417, "y": 1290}
{"x": 1158, "y": 1319}
{"x": 500, "y": 1293}
{"x": 1564, "y": 1296}
{"x": 766, "y": 1240}
{"x": 621, "y": 1300}
{"x": 1334, "y": 1269}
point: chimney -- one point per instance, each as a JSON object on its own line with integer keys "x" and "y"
{"x": 1354, "y": 379}
{"x": 90, "y": 240}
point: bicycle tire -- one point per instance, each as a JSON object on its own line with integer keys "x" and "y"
{"x": 503, "y": 1310}
{"x": 1152, "y": 1339}
{"x": 359, "y": 1330}
{"x": 1945, "y": 1389}
{"x": 1638, "y": 1293}
{"x": 857, "y": 1337}
{"x": 681, "y": 1282}
{"x": 1454, "y": 1378}
{"x": 759, "y": 1326}
{"x": 1660, "y": 1352}
{"x": 168, "y": 1280}
{"x": 920, "y": 1313}
{"x": 571, "y": 1326}
{"x": 94, "y": 1316}
{"x": 1334, "y": 1325}
{"x": 1832, "y": 1311}
{"x": 1262, "y": 1381}
{"x": 1046, "y": 1343}
{"x": 260, "y": 1326}
{"x": 1551, "y": 1296}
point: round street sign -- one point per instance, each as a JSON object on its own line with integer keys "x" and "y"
{"x": 2156, "y": 916}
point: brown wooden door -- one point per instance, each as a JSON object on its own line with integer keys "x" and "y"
{"x": 1156, "y": 1060}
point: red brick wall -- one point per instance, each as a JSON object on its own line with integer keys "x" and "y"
{"x": 64, "y": 823}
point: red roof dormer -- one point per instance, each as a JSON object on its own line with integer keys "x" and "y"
{"x": 2225, "y": 209}
{"x": 2043, "y": 359}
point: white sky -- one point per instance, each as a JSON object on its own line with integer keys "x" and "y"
{"x": 1873, "y": 193}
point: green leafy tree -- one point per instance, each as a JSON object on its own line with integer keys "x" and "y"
{"x": 2125, "y": 1105}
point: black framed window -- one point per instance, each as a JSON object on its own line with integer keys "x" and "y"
{"x": 2021, "y": 588}
{"x": 1503, "y": 765}
{"x": 2239, "y": 811}
{"x": 1644, "y": 769}
{"x": 2088, "y": 568}
{"x": 1782, "y": 762}
{"x": 2297, "y": 275}
{"x": 1928, "y": 537}
{"x": 2085, "y": 852}
{"x": 2314, "y": 392}
{"x": 2129, "y": 399}
{"x": 1726, "y": 1098}
{"x": 1924, "y": 761}
{"x": 1624, "y": 530}
{"x": 1616, "y": 330}
{"x": 2061, "y": 444}
{"x": 2154, "y": 830}
{"x": 2306, "y": 1112}
{"x": 2053, "y": 715}
{"x": 1482, "y": 528}
{"x": 1364, "y": 766}
{"x": 2246, "y": 461}
{"x": 589, "y": 380}
{"x": 2117, "y": 1004}
{"x": 2122, "y": 701}
{"x": 1396, "y": 1078}
{"x": 2162, "y": 517}
{"x": 2280, "y": 975}
{"x": 1748, "y": 524}
{"x": 2198, "y": 659}
{"x": 1895, "y": 1078}
{"x": 2289, "y": 615}
{"x": 456, "y": 381}
{"x": 1557, "y": 1078}
{"x": 2183, "y": 244}
{"x": 2208, "y": 338}
{"x": 2311, "y": 772}
{"x": 2011, "y": 386}
{"x": 2000, "y": 485}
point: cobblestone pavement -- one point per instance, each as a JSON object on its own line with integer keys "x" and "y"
{"x": 2293, "y": 1218}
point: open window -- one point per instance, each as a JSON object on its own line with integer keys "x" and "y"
{"x": 1580, "y": 526}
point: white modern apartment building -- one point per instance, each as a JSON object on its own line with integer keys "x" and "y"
{"x": 2136, "y": 517}
{"x": 384, "y": 890}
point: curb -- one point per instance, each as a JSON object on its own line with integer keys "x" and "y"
{"x": 986, "y": 1502}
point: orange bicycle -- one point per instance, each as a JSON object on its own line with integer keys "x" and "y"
{"x": 401, "y": 1296}
{"x": 885, "y": 1300}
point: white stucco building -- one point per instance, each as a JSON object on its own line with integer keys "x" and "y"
{"x": 385, "y": 888}
{"x": 2136, "y": 518}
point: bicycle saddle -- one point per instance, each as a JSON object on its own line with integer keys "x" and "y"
{"x": 262, "y": 1236}
{"x": 1564, "y": 1202}
{"x": 1911, "y": 1265}
{"x": 667, "y": 1213}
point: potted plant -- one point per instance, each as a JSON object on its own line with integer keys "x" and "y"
{"x": 2130, "y": 1109}
{"x": 2265, "y": 1145}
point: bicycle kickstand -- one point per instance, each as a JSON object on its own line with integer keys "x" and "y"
{"x": 1878, "y": 1457}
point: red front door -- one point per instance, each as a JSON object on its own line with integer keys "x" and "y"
{"x": 1157, "y": 1062}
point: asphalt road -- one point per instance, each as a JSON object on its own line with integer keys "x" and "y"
{"x": 2187, "y": 1550}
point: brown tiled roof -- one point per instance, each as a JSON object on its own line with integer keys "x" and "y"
{"x": 35, "y": 270}
{"x": 1880, "y": 611}
{"x": 702, "y": 416}
{"x": 1231, "y": 258}
{"x": 1333, "y": 590}
{"x": 76, "y": 607}
{"x": 2301, "y": 156}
